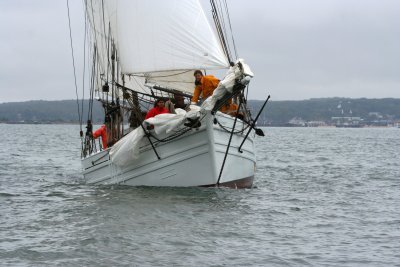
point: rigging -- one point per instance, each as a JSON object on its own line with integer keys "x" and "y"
{"x": 73, "y": 64}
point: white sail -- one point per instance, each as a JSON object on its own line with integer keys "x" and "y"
{"x": 157, "y": 35}
{"x": 155, "y": 40}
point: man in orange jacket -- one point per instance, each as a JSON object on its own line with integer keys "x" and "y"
{"x": 205, "y": 85}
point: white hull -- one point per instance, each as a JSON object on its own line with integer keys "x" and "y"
{"x": 193, "y": 159}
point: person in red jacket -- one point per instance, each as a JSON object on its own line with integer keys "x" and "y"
{"x": 102, "y": 131}
{"x": 159, "y": 108}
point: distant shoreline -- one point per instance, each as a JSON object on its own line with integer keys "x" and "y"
{"x": 328, "y": 112}
{"x": 263, "y": 126}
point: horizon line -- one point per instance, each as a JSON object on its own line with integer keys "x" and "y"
{"x": 313, "y": 98}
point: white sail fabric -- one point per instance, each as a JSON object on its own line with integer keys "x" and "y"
{"x": 240, "y": 71}
{"x": 157, "y": 41}
{"x": 175, "y": 80}
{"x": 126, "y": 150}
{"x": 161, "y": 35}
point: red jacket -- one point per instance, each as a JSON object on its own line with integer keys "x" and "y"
{"x": 155, "y": 111}
{"x": 102, "y": 131}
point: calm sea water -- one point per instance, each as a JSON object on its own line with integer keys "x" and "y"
{"x": 322, "y": 197}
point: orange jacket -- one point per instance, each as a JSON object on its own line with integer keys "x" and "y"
{"x": 206, "y": 88}
{"x": 230, "y": 108}
{"x": 102, "y": 131}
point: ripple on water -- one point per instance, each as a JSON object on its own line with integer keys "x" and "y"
{"x": 321, "y": 197}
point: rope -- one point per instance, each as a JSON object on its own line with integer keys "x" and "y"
{"x": 171, "y": 137}
{"x": 230, "y": 27}
{"x": 90, "y": 113}
{"x": 229, "y": 130}
{"x": 219, "y": 5}
{"x": 219, "y": 29}
{"x": 73, "y": 64}
{"x": 159, "y": 76}
{"x": 84, "y": 69}
{"x": 106, "y": 38}
{"x": 178, "y": 133}
{"x": 173, "y": 81}
{"x": 95, "y": 31}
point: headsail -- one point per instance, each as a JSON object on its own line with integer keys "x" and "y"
{"x": 156, "y": 36}
{"x": 159, "y": 35}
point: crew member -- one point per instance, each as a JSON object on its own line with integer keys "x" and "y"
{"x": 102, "y": 131}
{"x": 159, "y": 108}
{"x": 229, "y": 108}
{"x": 205, "y": 85}
{"x": 179, "y": 101}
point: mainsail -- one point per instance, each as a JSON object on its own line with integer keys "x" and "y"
{"x": 158, "y": 41}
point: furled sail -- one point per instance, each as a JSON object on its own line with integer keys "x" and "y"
{"x": 158, "y": 41}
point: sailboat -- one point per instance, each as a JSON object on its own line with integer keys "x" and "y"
{"x": 140, "y": 51}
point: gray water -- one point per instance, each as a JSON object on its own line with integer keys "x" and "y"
{"x": 322, "y": 197}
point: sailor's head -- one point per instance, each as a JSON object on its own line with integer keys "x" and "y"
{"x": 159, "y": 103}
{"x": 198, "y": 75}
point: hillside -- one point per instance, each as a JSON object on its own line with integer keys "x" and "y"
{"x": 323, "y": 109}
{"x": 62, "y": 111}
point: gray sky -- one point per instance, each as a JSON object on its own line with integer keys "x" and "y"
{"x": 297, "y": 49}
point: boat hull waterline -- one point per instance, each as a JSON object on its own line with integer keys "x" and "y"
{"x": 193, "y": 159}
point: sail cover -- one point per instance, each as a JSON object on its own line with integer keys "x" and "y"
{"x": 161, "y": 35}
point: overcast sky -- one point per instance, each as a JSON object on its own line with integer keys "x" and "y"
{"x": 298, "y": 49}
